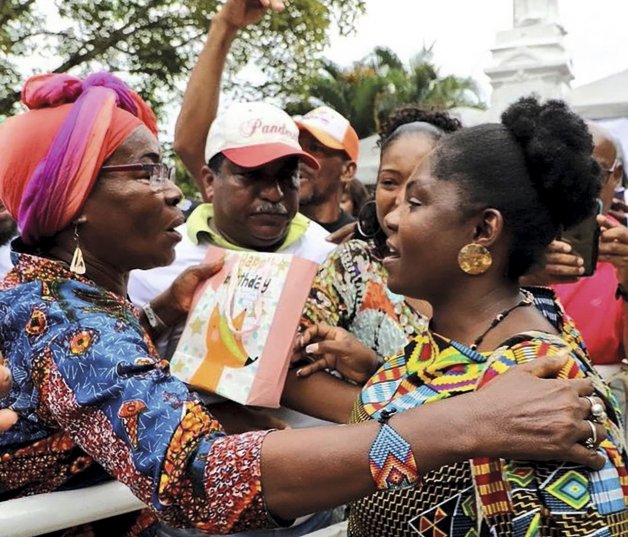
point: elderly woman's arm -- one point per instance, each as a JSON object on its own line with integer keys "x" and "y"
{"x": 308, "y": 470}
{"x": 98, "y": 381}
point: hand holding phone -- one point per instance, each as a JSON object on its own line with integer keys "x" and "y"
{"x": 584, "y": 239}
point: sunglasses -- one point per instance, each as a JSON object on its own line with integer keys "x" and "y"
{"x": 158, "y": 173}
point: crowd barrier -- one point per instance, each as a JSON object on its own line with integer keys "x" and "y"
{"x": 44, "y": 513}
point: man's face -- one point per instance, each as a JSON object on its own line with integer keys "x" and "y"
{"x": 316, "y": 187}
{"x": 8, "y": 227}
{"x": 253, "y": 207}
{"x": 605, "y": 154}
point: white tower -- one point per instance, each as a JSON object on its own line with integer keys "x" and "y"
{"x": 530, "y": 58}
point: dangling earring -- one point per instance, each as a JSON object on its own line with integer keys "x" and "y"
{"x": 78, "y": 263}
{"x": 474, "y": 259}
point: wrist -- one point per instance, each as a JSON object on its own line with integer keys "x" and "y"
{"x": 167, "y": 310}
{"x": 223, "y": 26}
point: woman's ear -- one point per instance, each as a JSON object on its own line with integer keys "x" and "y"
{"x": 489, "y": 227}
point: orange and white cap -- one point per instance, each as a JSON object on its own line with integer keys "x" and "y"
{"x": 253, "y": 134}
{"x": 332, "y": 130}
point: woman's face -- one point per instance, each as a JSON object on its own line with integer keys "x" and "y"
{"x": 426, "y": 233}
{"x": 129, "y": 225}
{"x": 397, "y": 162}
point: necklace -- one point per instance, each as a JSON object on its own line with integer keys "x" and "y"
{"x": 527, "y": 300}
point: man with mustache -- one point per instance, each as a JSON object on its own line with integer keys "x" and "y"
{"x": 323, "y": 132}
{"x": 252, "y": 177}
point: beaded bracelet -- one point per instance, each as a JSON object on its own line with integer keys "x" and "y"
{"x": 391, "y": 459}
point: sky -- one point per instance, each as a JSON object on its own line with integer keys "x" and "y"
{"x": 464, "y": 31}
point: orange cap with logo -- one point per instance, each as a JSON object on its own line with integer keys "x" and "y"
{"x": 332, "y": 130}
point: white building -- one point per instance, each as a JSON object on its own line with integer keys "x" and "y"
{"x": 531, "y": 58}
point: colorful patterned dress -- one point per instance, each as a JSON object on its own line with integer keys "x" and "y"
{"x": 92, "y": 394}
{"x": 486, "y": 497}
{"x": 350, "y": 290}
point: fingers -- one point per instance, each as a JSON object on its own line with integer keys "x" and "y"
{"x": 547, "y": 367}
{"x": 318, "y": 332}
{"x": 341, "y": 235}
{"x": 584, "y": 387}
{"x": 565, "y": 268}
{"x": 327, "y": 347}
{"x": 8, "y": 418}
{"x": 6, "y": 381}
{"x": 587, "y": 403}
{"x": 318, "y": 365}
{"x": 606, "y": 223}
{"x": 586, "y": 457}
{"x": 558, "y": 247}
{"x": 275, "y": 5}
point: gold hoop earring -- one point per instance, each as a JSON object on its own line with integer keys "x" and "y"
{"x": 78, "y": 263}
{"x": 474, "y": 259}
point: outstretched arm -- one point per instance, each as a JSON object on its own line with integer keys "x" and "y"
{"x": 200, "y": 101}
{"x": 305, "y": 470}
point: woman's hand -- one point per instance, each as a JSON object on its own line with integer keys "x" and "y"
{"x": 343, "y": 234}
{"x": 240, "y": 13}
{"x": 175, "y": 302}
{"x": 619, "y": 211}
{"x": 331, "y": 347}
{"x": 526, "y": 415}
{"x": 562, "y": 265}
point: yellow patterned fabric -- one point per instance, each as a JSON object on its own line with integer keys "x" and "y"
{"x": 483, "y": 496}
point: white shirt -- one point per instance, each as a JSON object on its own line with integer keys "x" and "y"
{"x": 144, "y": 285}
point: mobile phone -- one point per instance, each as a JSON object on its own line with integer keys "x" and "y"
{"x": 584, "y": 239}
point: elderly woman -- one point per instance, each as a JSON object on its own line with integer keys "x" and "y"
{"x": 81, "y": 173}
{"x": 475, "y": 215}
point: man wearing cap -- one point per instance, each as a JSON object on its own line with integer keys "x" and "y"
{"x": 324, "y": 133}
{"x": 253, "y": 157}
{"x": 329, "y": 137}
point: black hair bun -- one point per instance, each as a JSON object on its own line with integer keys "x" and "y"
{"x": 412, "y": 113}
{"x": 558, "y": 153}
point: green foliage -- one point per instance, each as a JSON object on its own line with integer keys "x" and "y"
{"x": 368, "y": 90}
{"x": 154, "y": 43}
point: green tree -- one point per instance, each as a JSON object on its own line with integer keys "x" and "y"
{"x": 155, "y": 42}
{"x": 369, "y": 89}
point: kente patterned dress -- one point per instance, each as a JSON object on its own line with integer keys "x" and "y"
{"x": 487, "y": 497}
{"x": 350, "y": 291}
{"x": 92, "y": 394}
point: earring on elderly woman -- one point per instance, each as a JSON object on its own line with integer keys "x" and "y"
{"x": 474, "y": 259}
{"x": 78, "y": 263}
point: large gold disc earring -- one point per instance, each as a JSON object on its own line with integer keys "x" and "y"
{"x": 474, "y": 259}
{"x": 78, "y": 263}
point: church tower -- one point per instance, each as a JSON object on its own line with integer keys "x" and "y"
{"x": 531, "y": 57}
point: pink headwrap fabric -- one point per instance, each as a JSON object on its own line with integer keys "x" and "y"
{"x": 50, "y": 155}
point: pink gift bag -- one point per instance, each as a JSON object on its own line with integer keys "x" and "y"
{"x": 238, "y": 337}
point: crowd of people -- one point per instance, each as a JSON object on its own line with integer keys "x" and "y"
{"x": 449, "y": 328}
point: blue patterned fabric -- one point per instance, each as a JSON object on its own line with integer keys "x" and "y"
{"x": 91, "y": 391}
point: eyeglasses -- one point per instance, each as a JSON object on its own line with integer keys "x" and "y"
{"x": 158, "y": 173}
{"x": 607, "y": 172}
